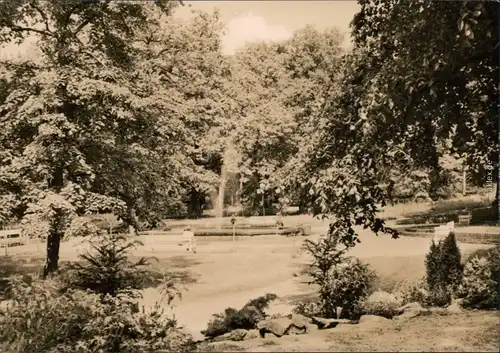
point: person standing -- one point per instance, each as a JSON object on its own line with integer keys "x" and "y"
{"x": 188, "y": 235}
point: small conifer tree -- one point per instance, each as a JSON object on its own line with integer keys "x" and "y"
{"x": 432, "y": 266}
{"x": 443, "y": 267}
{"x": 107, "y": 268}
{"x": 451, "y": 262}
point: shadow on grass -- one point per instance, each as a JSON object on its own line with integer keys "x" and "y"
{"x": 12, "y": 266}
{"x": 169, "y": 269}
{"x": 178, "y": 262}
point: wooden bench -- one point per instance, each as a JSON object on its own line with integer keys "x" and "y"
{"x": 464, "y": 219}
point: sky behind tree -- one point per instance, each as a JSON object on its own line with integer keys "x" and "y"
{"x": 248, "y": 21}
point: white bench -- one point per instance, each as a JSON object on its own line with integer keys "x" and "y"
{"x": 464, "y": 219}
{"x": 11, "y": 237}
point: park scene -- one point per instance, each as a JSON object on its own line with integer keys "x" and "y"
{"x": 284, "y": 176}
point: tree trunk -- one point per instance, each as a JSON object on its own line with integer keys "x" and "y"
{"x": 53, "y": 244}
{"x": 132, "y": 219}
{"x": 464, "y": 181}
{"x": 55, "y": 226}
{"x": 195, "y": 205}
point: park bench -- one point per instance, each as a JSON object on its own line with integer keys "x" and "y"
{"x": 464, "y": 219}
{"x": 11, "y": 237}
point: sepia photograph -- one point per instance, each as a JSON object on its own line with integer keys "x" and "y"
{"x": 249, "y": 176}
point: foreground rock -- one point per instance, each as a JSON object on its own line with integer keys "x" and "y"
{"x": 296, "y": 324}
{"x": 455, "y": 307}
{"x": 293, "y": 324}
{"x": 252, "y": 334}
{"x": 411, "y": 310}
{"x": 373, "y": 320}
{"x": 235, "y": 335}
{"x": 323, "y": 324}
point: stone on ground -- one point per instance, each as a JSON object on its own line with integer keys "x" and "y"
{"x": 323, "y": 324}
{"x": 282, "y": 326}
{"x": 235, "y": 335}
{"x": 252, "y": 334}
{"x": 455, "y": 307}
{"x": 375, "y": 320}
{"x": 411, "y": 310}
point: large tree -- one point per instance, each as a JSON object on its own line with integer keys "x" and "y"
{"x": 280, "y": 88}
{"x": 183, "y": 59}
{"x": 432, "y": 88}
{"x": 419, "y": 85}
{"x": 87, "y": 127}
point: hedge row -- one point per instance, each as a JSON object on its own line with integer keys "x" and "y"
{"x": 471, "y": 238}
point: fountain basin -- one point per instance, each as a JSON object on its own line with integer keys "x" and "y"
{"x": 245, "y": 232}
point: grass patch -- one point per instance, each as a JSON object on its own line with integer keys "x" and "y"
{"x": 462, "y": 203}
{"x": 174, "y": 268}
{"x": 466, "y": 333}
{"x": 480, "y": 208}
{"x": 220, "y": 347}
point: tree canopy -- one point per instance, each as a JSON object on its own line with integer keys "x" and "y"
{"x": 412, "y": 94}
{"x": 128, "y": 109}
{"x": 105, "y": 119}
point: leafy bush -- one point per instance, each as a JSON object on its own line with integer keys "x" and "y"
{"x": 326, "y": 256}
{"x": 81, "y": 227}
{"x": 419, "y": 292}
{"x": 246, "y": 318}
{"x": 481, "y": 283}
{"x": 347, "y": 284}
{"x": 443, "y": 270}
{"x": 106, "y": 269}
{"x": 41, "y": 317}
{"x": 381, "y": 304}
{"x": 440, "y": 296}
{"x": 415, "y": 292}
{"x": 343, "y": 281}
{"x": 15, "y": 266}
{"x": 308, "y": 308}
{"x": 483, "y": 252}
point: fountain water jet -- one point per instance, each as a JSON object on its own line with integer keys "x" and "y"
{"x": 230, "y": 163}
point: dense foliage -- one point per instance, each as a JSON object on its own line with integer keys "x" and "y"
{"x": 106, "y": 268}
{"x": 246, "y": 318}
{"x": 109, "y": 116}
{"x": 481, "y": 280}
{"x": 125, "y": 108}
{"x": 443, "y": 269}
{"x": 121, "y": 86}
{"x": 414, "y": 101}
{"x": 41, "y": 318}
{"x": 381, "y": 304}
{"x": 343, "y": 282}
{"x": 91, "y": 306}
